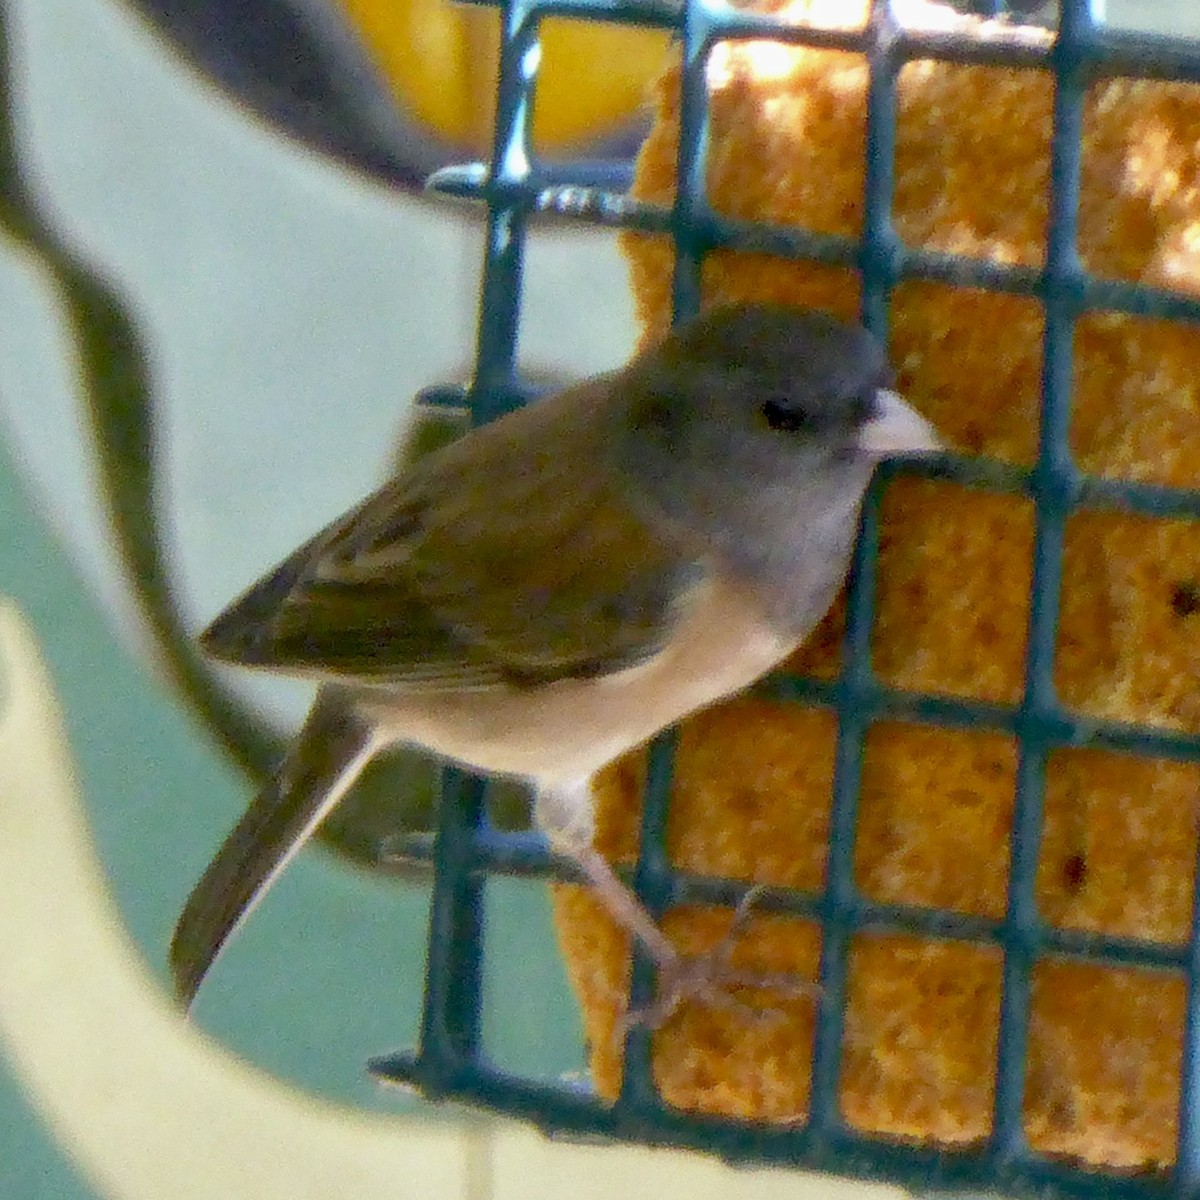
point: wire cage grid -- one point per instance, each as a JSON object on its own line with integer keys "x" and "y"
{"x": 449, "y": 1062}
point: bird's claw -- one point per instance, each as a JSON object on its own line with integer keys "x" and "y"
{"x": 711, "y": 978}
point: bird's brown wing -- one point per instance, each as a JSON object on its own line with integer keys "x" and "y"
{"x": 471, "y": 572}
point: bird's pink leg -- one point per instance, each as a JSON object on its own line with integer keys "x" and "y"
{"x": 709, "y": 978}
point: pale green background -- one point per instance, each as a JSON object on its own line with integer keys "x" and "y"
{"x": 290, "y": 311}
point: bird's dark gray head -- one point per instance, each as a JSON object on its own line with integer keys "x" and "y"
{"x": 788, "y": 369}
{"x": 759, "y": 427}
{"x": 762, "y": 394}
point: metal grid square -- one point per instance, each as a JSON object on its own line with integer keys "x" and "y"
{"x": 513, "y": 185}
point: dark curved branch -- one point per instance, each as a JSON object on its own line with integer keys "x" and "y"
{"x": 121, "y": 410}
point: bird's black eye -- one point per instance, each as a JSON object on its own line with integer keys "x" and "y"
{"x": 783, "y": 417}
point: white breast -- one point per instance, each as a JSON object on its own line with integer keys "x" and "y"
{"x": 561, "y": 732}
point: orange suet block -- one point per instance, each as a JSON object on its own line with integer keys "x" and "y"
{"x": 752, "y": 791}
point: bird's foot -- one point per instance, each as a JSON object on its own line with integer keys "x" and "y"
{"x": 712, "y": 979}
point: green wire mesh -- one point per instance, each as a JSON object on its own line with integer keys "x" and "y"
{"x": 449, "y": 1062}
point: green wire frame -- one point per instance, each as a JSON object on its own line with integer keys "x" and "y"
{"x": 448, "y": 1061}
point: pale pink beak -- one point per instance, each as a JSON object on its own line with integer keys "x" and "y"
{"x": 896, "y": 430}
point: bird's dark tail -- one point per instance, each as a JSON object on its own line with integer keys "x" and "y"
{"x": 327, "y": 756}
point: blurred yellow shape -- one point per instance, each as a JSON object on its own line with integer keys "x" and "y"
{"x": 441, "y": 60}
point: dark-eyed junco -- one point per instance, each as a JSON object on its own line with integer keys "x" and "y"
{"x": 558, "y": 586}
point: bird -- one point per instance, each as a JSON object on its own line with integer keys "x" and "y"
{"x": 561, "y": 584}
